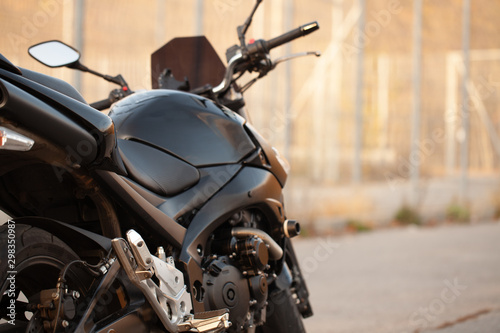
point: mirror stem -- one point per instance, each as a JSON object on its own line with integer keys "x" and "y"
{"x": 114, "y": 79}
{"x": 242, "y": 29}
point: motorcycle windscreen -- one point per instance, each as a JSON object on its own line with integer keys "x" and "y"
{"x": 193, "y": 58}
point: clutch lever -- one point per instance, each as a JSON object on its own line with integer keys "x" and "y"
{"x": 263, "y": 72}
{"x": 293, "y": 56}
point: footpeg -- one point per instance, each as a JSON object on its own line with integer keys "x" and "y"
{"x": 210, "y": 321}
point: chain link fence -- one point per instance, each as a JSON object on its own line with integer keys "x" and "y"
{"x": 306, "y": 108}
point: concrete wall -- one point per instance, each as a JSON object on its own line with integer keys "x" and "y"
{"x": 330, "y": 207}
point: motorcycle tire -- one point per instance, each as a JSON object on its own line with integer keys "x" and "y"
{"x": 38, "y": 260}
{"x": 283, "y": 316}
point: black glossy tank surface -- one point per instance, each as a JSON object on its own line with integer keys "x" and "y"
{"x": 190, "y": 127}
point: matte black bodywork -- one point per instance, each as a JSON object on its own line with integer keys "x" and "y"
{"x": 68, "y": 123}
{"x": 159, "y": 172}
{"x": 7, "y": 65}
{"x": 188, "y": 126}
{"x": 177, "y": 165}
{"x": 252, "y": 187}
{"x": 81, "y": 239}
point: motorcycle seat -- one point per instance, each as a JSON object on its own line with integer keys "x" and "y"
{"x": 53, "y": 83}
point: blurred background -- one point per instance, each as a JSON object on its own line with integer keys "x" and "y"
{"x": 397, "y": 120}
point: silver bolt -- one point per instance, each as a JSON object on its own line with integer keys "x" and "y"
{"x": 161, "y": 253}
{"x": 64, "y": 323}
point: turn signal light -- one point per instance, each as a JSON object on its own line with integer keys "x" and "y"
{"x": 10, "y": 140}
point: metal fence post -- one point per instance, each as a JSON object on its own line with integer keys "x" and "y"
{"x": 415, "y": 157}
{"x": 464, "y": 151}
{"x": 358, "y": 111}
{"x": 199, "y": 17}
{"x": 78, "y": 39}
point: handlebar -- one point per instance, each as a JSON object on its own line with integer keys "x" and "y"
{"x": 266, "y": 46}
{"x": 260, "y": 47}
{"x": 102, "y": 105}
{"x": 301, "y": 31}
{"x": 226, "y": 81}
{"x": 114, "y": 96}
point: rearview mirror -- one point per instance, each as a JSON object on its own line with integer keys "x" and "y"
{"x": 54, "y": 53}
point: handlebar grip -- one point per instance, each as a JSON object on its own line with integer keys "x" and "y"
{"x": 102, "y": 105}
{"x": 303, "y": 30}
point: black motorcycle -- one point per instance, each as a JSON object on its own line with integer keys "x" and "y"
{"x": 177, "y": 168}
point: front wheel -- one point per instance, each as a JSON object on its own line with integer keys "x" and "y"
{"x": 31, "y": 260}
{"x": 282, "y": 313}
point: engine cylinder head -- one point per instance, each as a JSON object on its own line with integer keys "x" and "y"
{"x": 252, "y": 254}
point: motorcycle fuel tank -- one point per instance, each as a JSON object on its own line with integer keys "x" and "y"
{"x": 186, "y": 126}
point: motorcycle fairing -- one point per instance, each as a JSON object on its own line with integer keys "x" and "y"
{"x": 271, "y": 159}
{"x": 81, "y": 240}
{"x": 6, "y": 64}
{"x": 80, "y": 129}
{"x": 211, "y": 180}
{"x": 188, "y": 126}
{"x": 29, "y": 111}
{"x": 251, "y": 187}
{"x": 155, "y": 221}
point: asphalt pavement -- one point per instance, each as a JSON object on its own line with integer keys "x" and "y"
{"x": 443, "y": 279}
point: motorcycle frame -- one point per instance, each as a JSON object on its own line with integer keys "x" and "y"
{"x": 101, "y": 175}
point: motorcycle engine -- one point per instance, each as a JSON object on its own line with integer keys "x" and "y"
{"x": 235, "y": 279}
